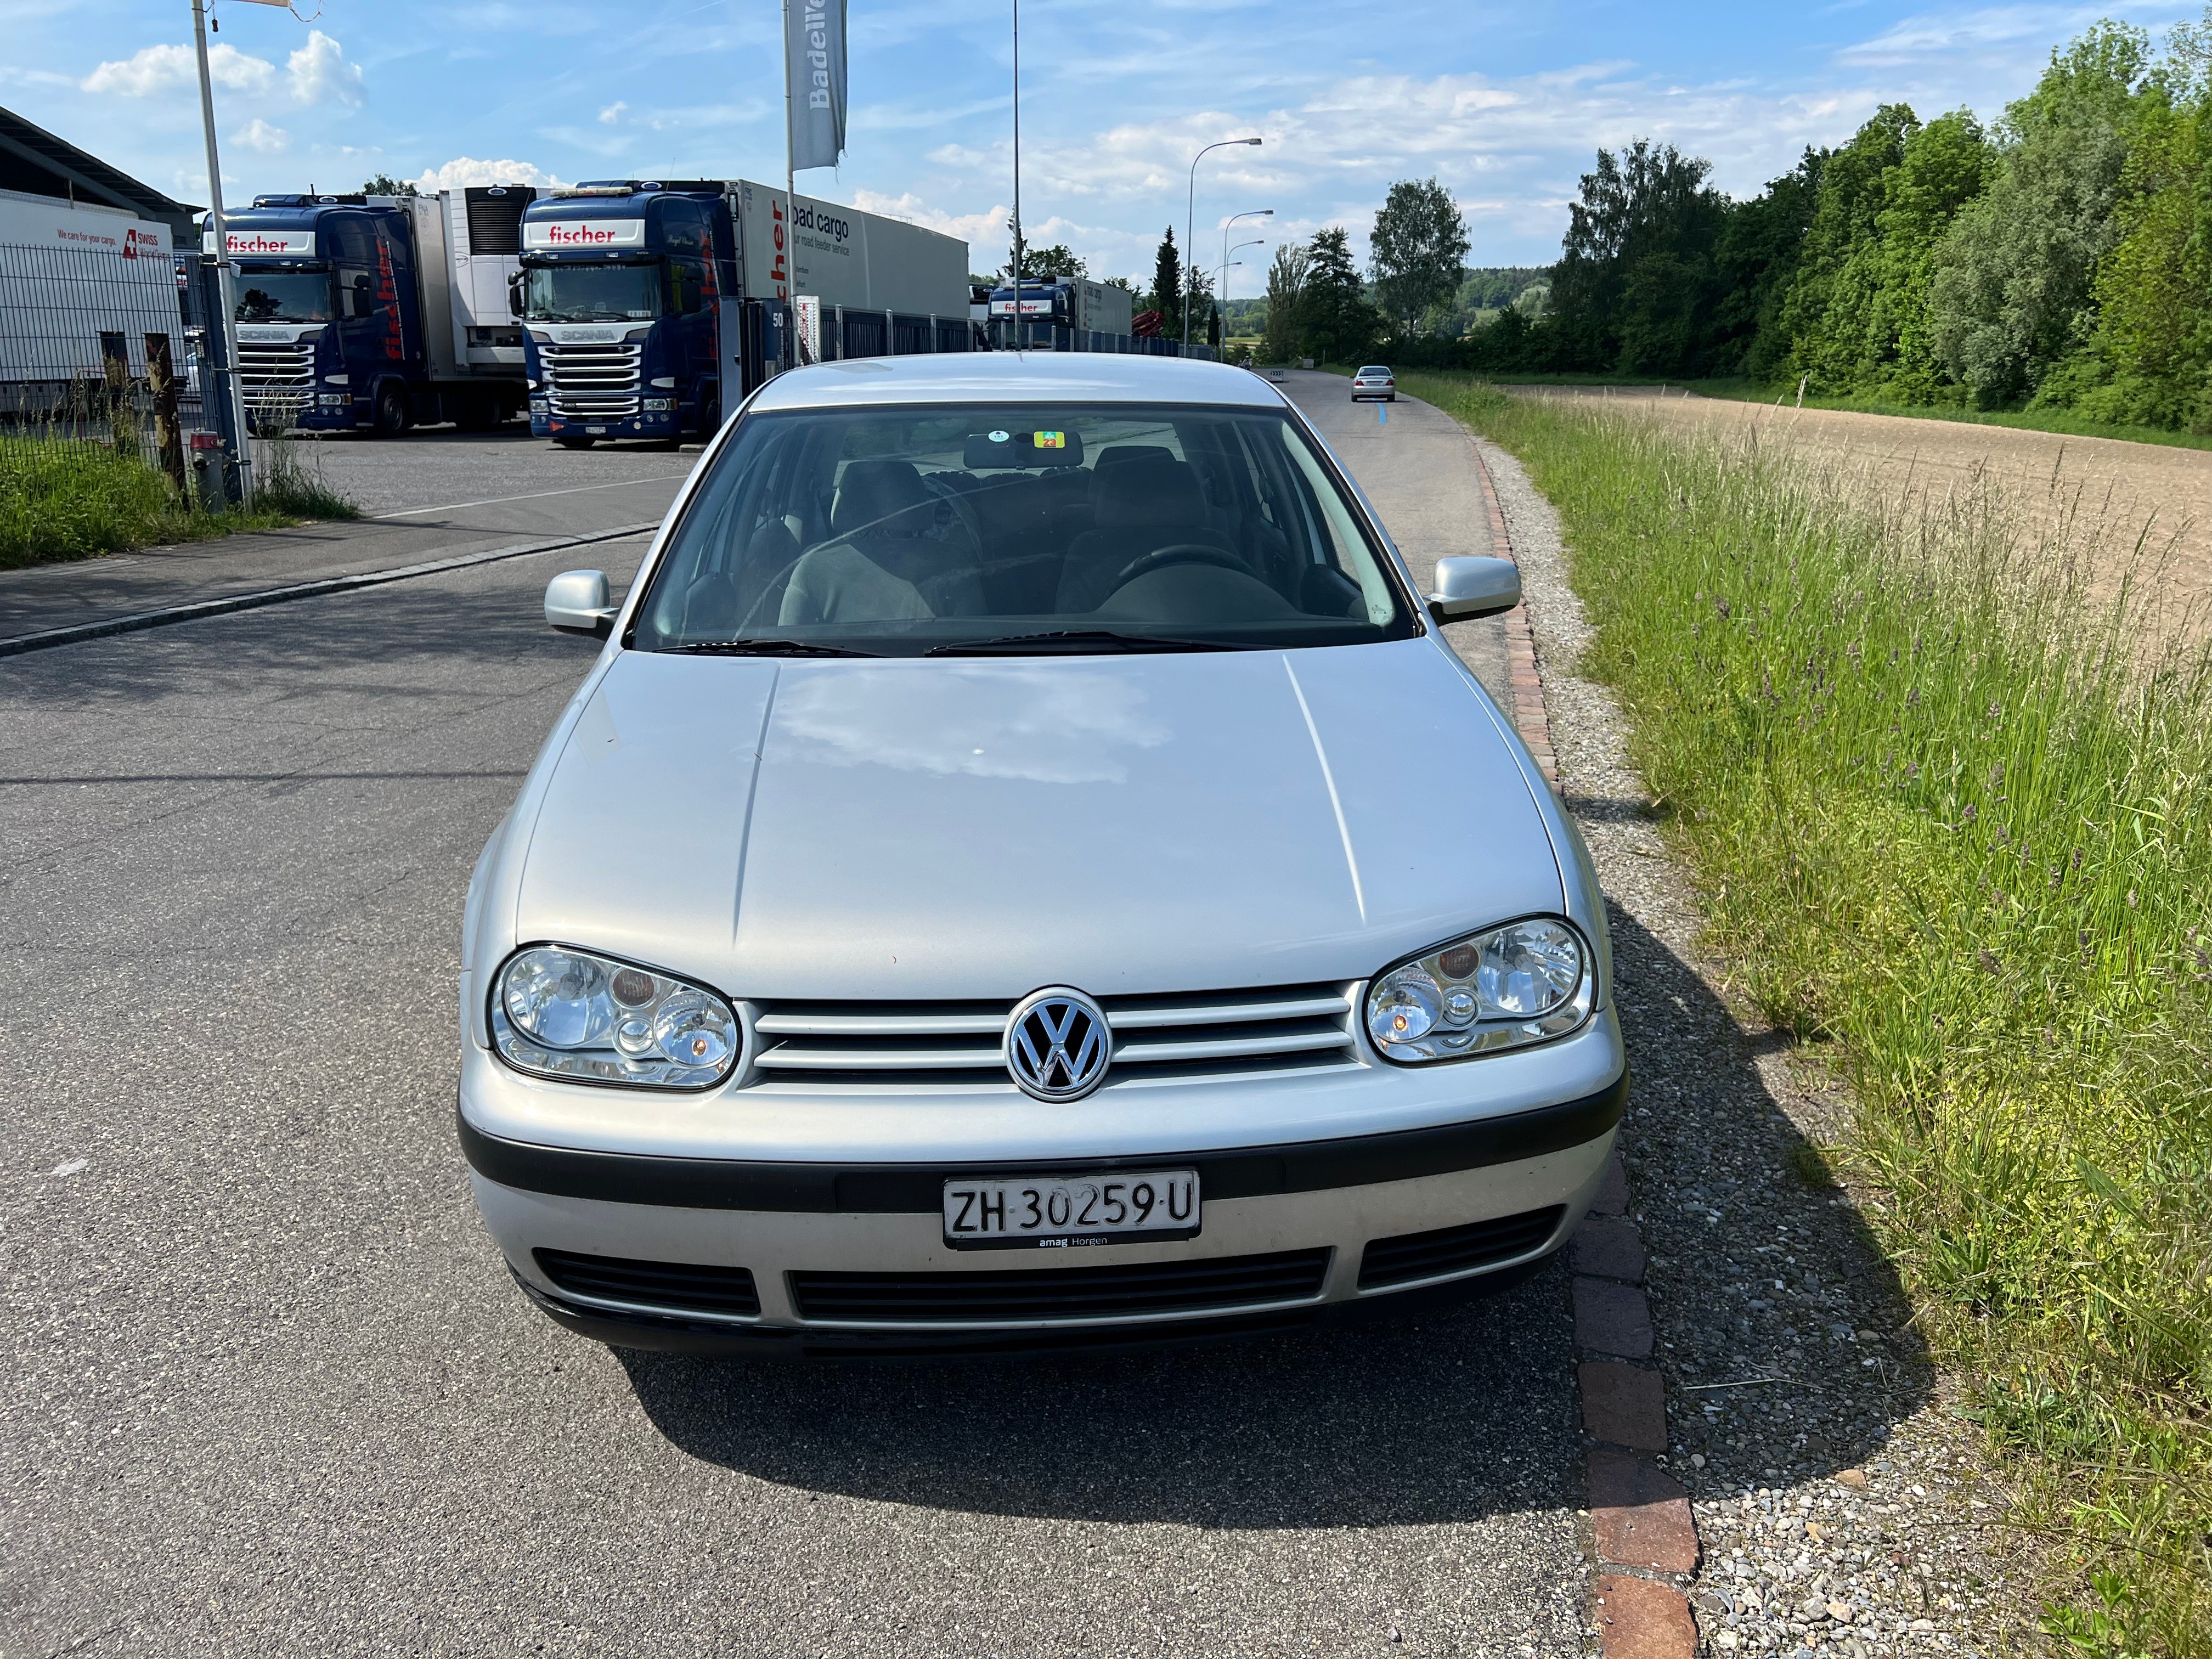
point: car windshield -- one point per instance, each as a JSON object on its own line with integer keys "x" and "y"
{"x": 590, "y": 294}
{"x": 1021, "y": 529}
{"x": 1376, "y": 368}
{"x": 285, "y": 296}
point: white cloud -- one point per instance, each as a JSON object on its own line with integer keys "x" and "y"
{"x": 257, "y": 134}
{"x": 319, "y": 73}
{"x": 465, "y": 171}
{"x": 155, "y": 69}
{"x": 613, "y": 112}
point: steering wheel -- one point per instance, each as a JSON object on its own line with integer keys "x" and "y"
{"x": 1179, "y": 553}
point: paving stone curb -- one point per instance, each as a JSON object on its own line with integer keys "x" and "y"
{"x": 1642, "y": 1537}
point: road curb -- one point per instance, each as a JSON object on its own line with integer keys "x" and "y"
{"x": 1642, "y": 1534}
{"x": 139, "y": 621}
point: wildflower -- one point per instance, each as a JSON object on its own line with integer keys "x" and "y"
{"x": 2077, "y": 858}
{"x": 1988, "y": 959}
{"x": 1912, "y": 698}
{"x": 1996, "y": 776}
{"x": 1997, "y": 710}
{"x": 1912, "y": 772}
{"x": 1967, "y": 814}
{"x": 1721, "y": 605}
{"x": 2132, "y": 898}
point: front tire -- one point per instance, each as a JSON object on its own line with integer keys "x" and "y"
{"x": 393, "y": 416}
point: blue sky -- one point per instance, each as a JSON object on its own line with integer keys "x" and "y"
{"x": 1504, "y": 103}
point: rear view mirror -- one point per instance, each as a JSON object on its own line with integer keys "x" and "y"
{"x": 576, "y": 602}
{"x": 514, "y": 294}
{"x": 1028, "y": 447}
{"x": 1468, "y": 588}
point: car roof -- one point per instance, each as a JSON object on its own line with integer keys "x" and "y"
{"x": 1376, "y": 368}
{"x": 1016, "y": 377}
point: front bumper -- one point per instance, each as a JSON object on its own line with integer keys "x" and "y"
{"x": 1293, "y": 1234}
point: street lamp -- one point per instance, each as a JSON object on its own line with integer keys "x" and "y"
{"x": 1226, "y": 261}
{"x": 1190, "y": 219}
{"x": 1249, "y": 213}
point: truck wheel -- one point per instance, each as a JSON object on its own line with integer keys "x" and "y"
{"x": 393, "y": 415}
{"x": 576, "y": 443}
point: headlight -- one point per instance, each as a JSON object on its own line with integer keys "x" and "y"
{"x": 564, "y": 1013}
{"x": 1527, "y": 981}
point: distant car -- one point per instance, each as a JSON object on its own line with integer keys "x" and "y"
{"x": 1375, "y": 381}
{"x": 1027, "y": 872}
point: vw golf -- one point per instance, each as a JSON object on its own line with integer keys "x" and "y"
{"x": 1026, "y": 872}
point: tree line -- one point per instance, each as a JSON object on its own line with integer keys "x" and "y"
{"x": 2060, "y": 259}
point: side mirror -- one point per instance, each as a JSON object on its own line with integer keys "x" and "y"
{"x": 1468, "y": 588}
{"x": 514, "y": 294}
{"x": 576, "y": 602}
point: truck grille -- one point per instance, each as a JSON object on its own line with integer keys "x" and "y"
{"x": 277, "y": 379}
{"x": 592, "y": 382}
{"x": 1148, "y": 1290}
{"x": 949, "y": 1046}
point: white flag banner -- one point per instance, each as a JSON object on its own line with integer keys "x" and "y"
{"x": 816, "y": 43}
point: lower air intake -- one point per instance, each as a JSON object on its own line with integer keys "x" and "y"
{"x": 678, "y": 1286}
{"x": 1133, "y": 1290}
{"x": 1411, "y": 1257}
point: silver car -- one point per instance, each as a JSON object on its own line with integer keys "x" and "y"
{"x": 1372, "y": 382}
{"x": 1026, "y": 872}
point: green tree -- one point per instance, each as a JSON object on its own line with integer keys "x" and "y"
{"x": 1287, "y": 283}
{"x": 1053, "y": 261}
{"x": 1859, "y": 308}
{"x": 1756, "y": 257}
{"x": 2015, "y": 290}
{"x": 1635, "y": 277}
{"x": 1338, "y": 324}
{"x": 1166, "y": 297}
{"x": 2154, "y": 290}
{"x": 1417, "y": 251}
{"x": 384, "y": 183}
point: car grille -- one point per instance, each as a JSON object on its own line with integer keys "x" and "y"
{"x": 956, "y": 1045}
{"x": 595, "y": 382}
{"x": 1133, "y": 1290}
{"x": 1411, "y": 1257}
{"x": 276, "y": 379}
{"x": 676, "y": 1286}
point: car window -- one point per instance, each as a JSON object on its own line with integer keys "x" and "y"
{"x": 1375, "y": 368}
{"x": 918, "y": 528}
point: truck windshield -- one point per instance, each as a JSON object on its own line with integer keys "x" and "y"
{"x": 590, "y": 294}
{"x": 285, "y": 296}
{"x": 1007, "y": 529}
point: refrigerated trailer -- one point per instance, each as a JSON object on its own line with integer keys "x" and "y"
{"x": 379, "y": 311}
{"x": 650, "y": 306}
{"x": 71, "y": 274}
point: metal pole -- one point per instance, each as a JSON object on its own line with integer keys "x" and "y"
{"x": 790, "y": 249}
{"x": 1190, "y": 224}
{"x": 233, "y": 395}
{"x": 1020, "y": 317}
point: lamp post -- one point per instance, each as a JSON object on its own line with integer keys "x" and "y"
{"x": 1249, "y": 213}
{"x": 1190, "y": 220}
{"x": 233, "y": 395}
{"x": 1019, "y": 338}
{"x": 1226, "y": 261}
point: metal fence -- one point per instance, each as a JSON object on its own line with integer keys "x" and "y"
{"x": 96, "y": 347}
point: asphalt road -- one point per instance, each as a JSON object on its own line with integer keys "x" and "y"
{"x": 269, "y": 1389}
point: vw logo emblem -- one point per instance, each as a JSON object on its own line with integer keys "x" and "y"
{"x": 1058, "y": 1044}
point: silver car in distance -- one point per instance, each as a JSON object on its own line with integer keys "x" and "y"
{"x": 1026, "y": 872}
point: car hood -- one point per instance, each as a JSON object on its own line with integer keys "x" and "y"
{"x": 966, "y": 828}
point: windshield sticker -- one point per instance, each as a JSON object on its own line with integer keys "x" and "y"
{"x": 1052, "y": 440}
{"x": 1000, "y": 437}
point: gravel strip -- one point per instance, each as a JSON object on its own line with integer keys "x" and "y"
{"x": 1840, "y": 1501}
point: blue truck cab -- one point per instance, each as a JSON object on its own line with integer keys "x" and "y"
{"x": 623, "y": 284}
{"x": 371, "y": 311}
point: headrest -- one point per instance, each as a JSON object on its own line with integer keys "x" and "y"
{"x": 1150, "y": 492}
{"x": 1122, "y": 454}
{"x": 881, "y": 497}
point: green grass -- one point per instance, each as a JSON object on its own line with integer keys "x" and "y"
{"x": 64, "y": 498}
{"x": 1750, "y": 392}
{"x": 1954, "y": 832}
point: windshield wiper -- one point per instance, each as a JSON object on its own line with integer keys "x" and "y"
{"x": 766, "y": 648}
{"x": 1074, "y": 641}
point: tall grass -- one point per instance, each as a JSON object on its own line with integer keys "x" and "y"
{"x": 65, "y": 495}
{"x": 1953, "y": 824}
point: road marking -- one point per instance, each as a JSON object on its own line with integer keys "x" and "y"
{"x": 143, "y": 620}
{"x": 502, "y": 500}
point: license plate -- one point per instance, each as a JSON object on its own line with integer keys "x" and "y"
{"x": 1055, "y": 1213}
{"x": 595, "y": 428}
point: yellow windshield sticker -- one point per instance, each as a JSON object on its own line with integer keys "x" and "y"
{"x": 1051, "y": 441}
